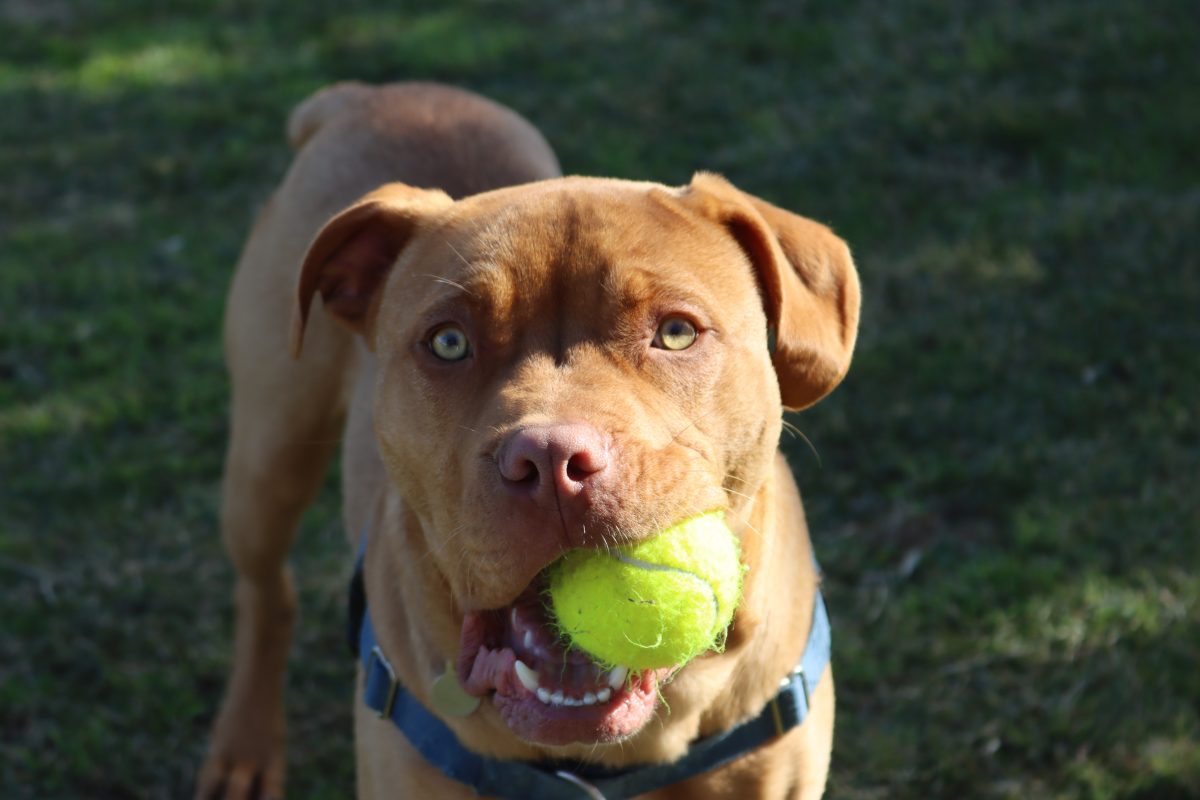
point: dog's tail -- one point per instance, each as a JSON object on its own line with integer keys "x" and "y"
{"x": 308, "y": 117}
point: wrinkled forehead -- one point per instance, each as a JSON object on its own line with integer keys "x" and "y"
{"x": 575, "y": 236}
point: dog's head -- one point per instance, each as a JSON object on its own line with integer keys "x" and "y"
{"x": 575, "y": 363}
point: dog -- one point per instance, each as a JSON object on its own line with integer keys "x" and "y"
{"x": 518, "y": 364}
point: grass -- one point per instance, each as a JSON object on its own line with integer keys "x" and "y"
{"x": 1005, "y": 502}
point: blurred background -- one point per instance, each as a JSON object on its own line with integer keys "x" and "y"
{"x": 1003, "y": 493}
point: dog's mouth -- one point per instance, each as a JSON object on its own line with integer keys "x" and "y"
{"x": 547, "y": 691}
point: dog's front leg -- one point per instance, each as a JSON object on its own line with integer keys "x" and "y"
{"x": 287, "y": 418}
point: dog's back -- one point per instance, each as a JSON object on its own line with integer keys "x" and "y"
{"x": 422, "y": 134}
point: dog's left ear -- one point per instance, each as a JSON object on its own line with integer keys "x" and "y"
{"x": 350, "y": 258}
{"x": 810, "y": 286}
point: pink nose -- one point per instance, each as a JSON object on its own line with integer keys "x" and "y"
{"x": 548, "y": 461}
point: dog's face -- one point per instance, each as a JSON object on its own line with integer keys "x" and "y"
{"x": 576, "y": 363}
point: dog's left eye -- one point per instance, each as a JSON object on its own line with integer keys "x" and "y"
{"x": 449, "y": 343}
{"x": 675, "y": 333}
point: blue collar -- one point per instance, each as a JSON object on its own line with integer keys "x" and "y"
{"x": 572, "y": 780}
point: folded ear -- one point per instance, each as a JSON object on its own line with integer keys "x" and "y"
{"x": 810, "y": 286}
{"x": 352, "y": 255}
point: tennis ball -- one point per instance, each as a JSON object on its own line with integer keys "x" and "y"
{"x": 657, "y": 603}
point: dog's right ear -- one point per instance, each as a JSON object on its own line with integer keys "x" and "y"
{"x": 809, "y": 285}
{"x": 351, "y": 257}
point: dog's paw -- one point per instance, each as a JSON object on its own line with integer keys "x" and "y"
{"x": 246, "y": 761}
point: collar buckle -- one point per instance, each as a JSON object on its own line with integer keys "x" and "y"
{"x": 790, "y": 706}
{"x": 378, "y": 658}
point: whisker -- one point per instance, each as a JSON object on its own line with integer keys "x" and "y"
{"x": 691, "y": 424}
{"x": 448, "y": 282}
{"x": 792, "y": 429}
{"x": 455, "y": 251}
{"x": 450, "y": 537}
{"x": 739, "y": 494}
{"x": 757, "y": 532}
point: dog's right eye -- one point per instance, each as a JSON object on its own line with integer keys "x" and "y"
{"x": 675, "y": 333}
{"x": 449, "y": 343}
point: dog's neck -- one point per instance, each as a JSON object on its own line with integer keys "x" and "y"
{"x": 769, "y": 631}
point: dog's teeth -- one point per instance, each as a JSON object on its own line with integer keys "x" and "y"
{"x": 616, "y": 678}
{"x": 557, "y": 698}
{"x": 572, "y": 701}
{"x": 543, "y": 695}
{"x": 589, "y": 699}
{"x": 528, "y": 640}
{"x": 528, "y": 677}
{"x": 603, "y": 695}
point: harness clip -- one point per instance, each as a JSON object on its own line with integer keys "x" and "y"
{"x": 377, "y": 657}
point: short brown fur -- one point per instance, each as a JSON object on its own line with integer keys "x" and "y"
{"x": 560, "y": 281}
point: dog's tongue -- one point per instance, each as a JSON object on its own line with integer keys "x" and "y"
{"x": 480, "y": 668}
{"x": 492, "y": 641}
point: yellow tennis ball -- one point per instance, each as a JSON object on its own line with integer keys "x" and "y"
{"x": 658, "y": 603}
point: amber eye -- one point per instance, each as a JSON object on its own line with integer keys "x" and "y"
{"x": 449, "y": 343}
{"x": 675, "y": 333}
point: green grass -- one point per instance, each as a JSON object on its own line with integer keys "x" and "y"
{"x": 1006, "y": 499}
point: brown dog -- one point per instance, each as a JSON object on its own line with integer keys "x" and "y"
{"x": 568, "y": 362}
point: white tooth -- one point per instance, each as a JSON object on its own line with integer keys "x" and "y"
{"x": 616, "y": 678}
{"x": 528, "y": 640}
{"x": 513, "y": 617}
{"x": 543, "y": 695}
{"x": 589, "y": 699}
{"x": 557, "y": 698}
{"x": 528, "y": 677}
{"x": 570, "y": 701}
{"x": 603, "y": 695}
